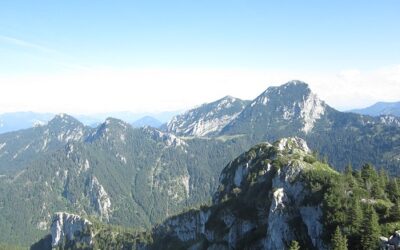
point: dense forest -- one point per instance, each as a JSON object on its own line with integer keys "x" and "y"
{"x": 359, "y": 206}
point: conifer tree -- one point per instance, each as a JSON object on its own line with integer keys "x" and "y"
{"x": 355, "y": 216}
{"x": 294, "y": 245}
{"x": 383, "y": 178}
{"x": 395, "y": 211}
{"x": 392, "y": 189}
{"x": 348, "y": 176}
{"x": 339, "y": 241}
{"x": 370, "y": 229}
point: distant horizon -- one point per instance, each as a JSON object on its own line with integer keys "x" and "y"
{"x": 177, "y": 111}
{"x": 150, "y": 113}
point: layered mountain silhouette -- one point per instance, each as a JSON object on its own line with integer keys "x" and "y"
{"x": 137, "y": 177}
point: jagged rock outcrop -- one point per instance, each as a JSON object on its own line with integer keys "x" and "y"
{"x": 70, "y": 229}
{"x": 99, "y": 198}
{"x": 261, "y": 203}
{"x": 170, "y": 140}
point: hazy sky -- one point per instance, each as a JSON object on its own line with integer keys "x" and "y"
{"x": 99, "y": 56}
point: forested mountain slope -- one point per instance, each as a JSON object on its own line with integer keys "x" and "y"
{"x": 270, "y": 197}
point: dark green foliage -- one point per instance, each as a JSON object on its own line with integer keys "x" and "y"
{"x": 392, "y": 190}
{"x": 370, "y": 230}
{"x": 144, "y": 188}
{"x": 354, "y": 217}
{"x": 395, "y": 211}
{"x": 309, "y": 159}
{"x": 43, "y": 244}
{"x": 294, "y": 245}
{"x": 351, "y": 204}
{"x": 335, "y": 213}
{"x": 339, "y": 241}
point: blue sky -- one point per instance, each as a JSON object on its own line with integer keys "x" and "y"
{"x": 310, "y": 39}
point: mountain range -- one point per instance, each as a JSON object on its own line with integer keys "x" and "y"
{"x": 147, "y": 121}
{"x": 125, "y": 176}
{"x": 138, "y": 177}
{"x": 380, "y": 108}
{"x": 293, "y": 110}
{"x": 22, "y": 120}
{"x": 273, "y": 196}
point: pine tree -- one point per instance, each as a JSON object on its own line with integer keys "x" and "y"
{"x": 334, "y": 203}
{"x": 294, "y": 245}
{"x": 393, "y": 190}
{"x": 383, "y": 178}
{"x": 395, "y": 211}
{"x": 368, "y": 173}
{"x": 339, "y": 241}
{"x": 370, "y": 229}
{"x": 355, "y": 216}
{"x": 348, "y": 176}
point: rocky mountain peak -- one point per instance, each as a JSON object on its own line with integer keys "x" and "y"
{"x": 63, "y": 119}
{"x": 111, "y": 128}
{"x": 115, "y": 123}
{"x": 207, "y": 119}
{"x": 290, "y": 92}
{"x": 286, "y": 154}
{"x": 261, "y": 194}
{"x": 296, "y": 83}
{"x": 291, "y": 105}
{"x": 66, "y": 128}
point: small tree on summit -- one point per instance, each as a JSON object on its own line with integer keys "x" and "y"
{"x": 294, "y": 245}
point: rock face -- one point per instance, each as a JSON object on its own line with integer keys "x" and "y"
{"x": 170, "y": 140}
{"x": 392, "y": 243}
{"x": 99, "y": 198}
{"x": 292, "y": 106}
{"x": 70, "y": 228}
{"x": 261, "y": 203}
{"x": 207, "y": 119}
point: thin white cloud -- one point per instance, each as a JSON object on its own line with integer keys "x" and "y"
{"x": 25, "y": 44}
{"x": 51, "y": 55}
{"x": 108, "y": 89}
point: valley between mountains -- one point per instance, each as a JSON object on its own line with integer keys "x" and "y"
{"x": 231, "y": 174}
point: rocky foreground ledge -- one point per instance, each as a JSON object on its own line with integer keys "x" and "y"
{"x": 67, "y": 230}
{"x": 70, "y": 227}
